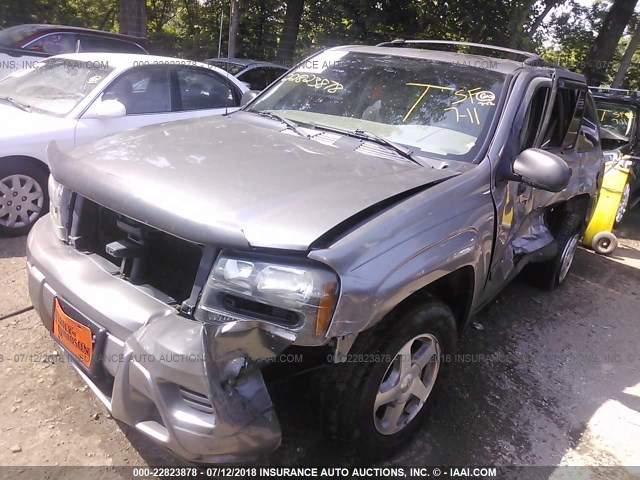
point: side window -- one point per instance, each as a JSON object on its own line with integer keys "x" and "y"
{"x": 562, "y": 130}
{"x": 97, "y": 43}
{"x": 201, "y": 90}
{"x": 257, "y": 78}
{"x": 589, "y": 137}
{"x": 533, "y": 118}
{"x": 275, "y": 73}
{"x": 54, "y": 43}
{"x": 142, "y": 90}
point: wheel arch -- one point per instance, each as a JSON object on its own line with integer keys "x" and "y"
{"x": 454, "y": 289}
{"x": 581, "y": 204}
{"x": 26, "y": 158}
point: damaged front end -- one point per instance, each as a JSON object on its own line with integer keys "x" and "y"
{"x": 181, "y": 365}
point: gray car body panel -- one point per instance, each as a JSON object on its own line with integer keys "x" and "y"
{"x": 387, "y": 227}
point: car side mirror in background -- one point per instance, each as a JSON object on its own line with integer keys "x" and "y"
{"x": 541, "y": 169}
{"x": 106, "y": 109}
{"x": 248, "y": 96}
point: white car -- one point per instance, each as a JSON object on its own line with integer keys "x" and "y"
{"x": 76, "y": 98}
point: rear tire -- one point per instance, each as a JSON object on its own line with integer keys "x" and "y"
{"x": 23, "y": 195}
{"x": 552, "y": 273}
{"x": 358, "y": 405}
{"x": 624, "y": 203}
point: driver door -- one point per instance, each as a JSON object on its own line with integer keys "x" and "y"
{"x": 515, "y": 201}
{"x": 145, "y": 93}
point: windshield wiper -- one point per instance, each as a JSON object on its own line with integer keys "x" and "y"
{"x": 372, "y": 137}
{"x": 289, "y": 123}
{"x": 17, "y": 104}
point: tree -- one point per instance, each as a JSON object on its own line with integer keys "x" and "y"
{"x": 537, "y": 21}
{"x": 133, "y": 17}
{"x": 625, "y": 63}
{"x": 233, "y": 28}
{"x": 290, "y": 29}
{"x": 603, "y": 49}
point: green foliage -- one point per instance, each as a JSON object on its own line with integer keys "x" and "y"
{"x": 191, "y": 28}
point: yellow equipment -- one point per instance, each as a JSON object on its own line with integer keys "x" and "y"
{"x": 612, "y": 201}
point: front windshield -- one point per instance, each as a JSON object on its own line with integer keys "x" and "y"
{"x": 616, "y": 121}
{"x": 435, "y": 108}
{"x": 56, "y": 85}
{"x": 9, "y": 37}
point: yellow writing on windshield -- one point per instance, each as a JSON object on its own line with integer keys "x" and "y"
{"x": 616, "y": 117}
{"x": 314, "y": 81}
{"x": 476, "y": 96}
{"x": 471, "y": 115}
{"x": 465, "y": 95}
{"x": 426, "y": 87}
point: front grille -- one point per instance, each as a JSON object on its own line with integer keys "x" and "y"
{"x": 152, "y": 257}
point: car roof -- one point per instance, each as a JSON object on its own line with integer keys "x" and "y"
{"x": 126, "y": 60}
{"x": 245, "y": 62}
{"x": 68, "y": 28}
{"x": 487, "y": 62}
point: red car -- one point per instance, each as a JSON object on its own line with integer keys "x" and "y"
{"x": 22, "y": 45}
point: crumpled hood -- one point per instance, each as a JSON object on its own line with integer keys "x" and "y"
{"x": 229, "y": 182}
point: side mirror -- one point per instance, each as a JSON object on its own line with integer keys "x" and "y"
{"x": 248, "y": 96}
{"x": 106, "y": 109}
{"x": 541, "y": 169}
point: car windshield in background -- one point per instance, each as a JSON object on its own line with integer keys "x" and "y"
{"x": 55, "y": 86}
{"x": 12, "y": 35}
{"x": 616, "y": 120}
{"x": 437, "y": 109}
{"x": 230, "y": 67}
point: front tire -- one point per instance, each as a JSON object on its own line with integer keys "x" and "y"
{"x": 375, "y": 402}
{"x": 23, "y": 196}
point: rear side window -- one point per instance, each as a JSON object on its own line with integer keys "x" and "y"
{"x": 201, "y": 90}
{"x": 97, "y": 43}
{"x": 275, "y": 73}
{"x": 257, "y": 78}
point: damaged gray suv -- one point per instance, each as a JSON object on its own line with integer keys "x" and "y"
{"x": 363, "y": 207}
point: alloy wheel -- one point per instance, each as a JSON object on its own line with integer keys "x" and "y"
{"x": 407, "y": 384}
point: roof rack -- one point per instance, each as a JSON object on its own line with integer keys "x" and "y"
{"x": 620, "y": 91}
{"x": 530, "y": 58}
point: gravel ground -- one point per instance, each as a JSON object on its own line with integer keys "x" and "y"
{"x": 541, "y": 379}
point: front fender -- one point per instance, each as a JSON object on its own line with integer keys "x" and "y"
{"x": 361, "y": 306}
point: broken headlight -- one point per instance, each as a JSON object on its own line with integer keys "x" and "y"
{"x": 57, "y": 208}
{"x": 295, "y": 295}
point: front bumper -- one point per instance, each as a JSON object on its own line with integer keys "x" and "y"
{"x": 189, "y": 386}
